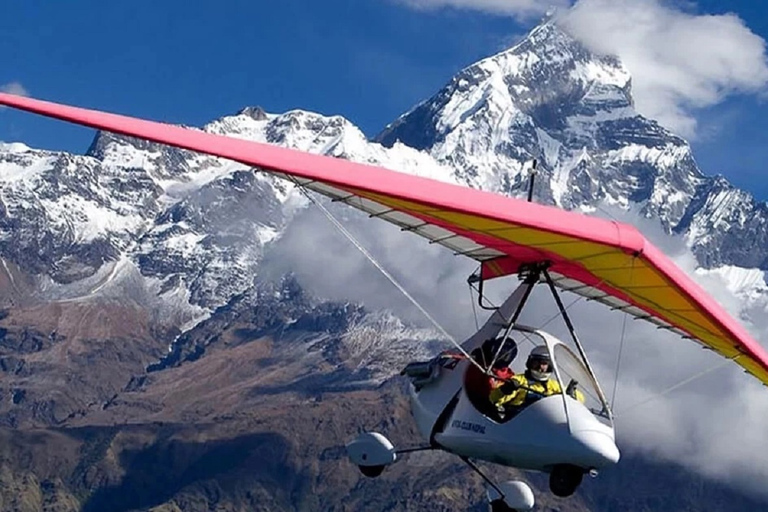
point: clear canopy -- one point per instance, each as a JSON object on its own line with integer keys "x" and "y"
{"x": 570, "y": 370}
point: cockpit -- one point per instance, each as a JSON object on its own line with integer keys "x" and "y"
{"x": 515, "y": 371}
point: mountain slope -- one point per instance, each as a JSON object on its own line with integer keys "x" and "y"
{"x": 145, "y": 348}
{"x": 551, "y": 99}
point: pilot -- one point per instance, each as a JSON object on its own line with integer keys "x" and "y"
{"x": 537, "y": 382}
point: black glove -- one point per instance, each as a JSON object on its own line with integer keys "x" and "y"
{"x": 571, "y": 389}
{"x": 510, "y": 387}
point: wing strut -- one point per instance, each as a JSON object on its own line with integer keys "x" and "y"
{"x": 531, "y": 275}
{"x": 529, "y": 281}
{"x": 575, "y": 338}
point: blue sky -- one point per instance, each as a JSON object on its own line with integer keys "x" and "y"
{"x": 368, "y": 60}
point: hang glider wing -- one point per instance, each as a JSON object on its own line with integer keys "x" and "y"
{"x": 606, "y": 261}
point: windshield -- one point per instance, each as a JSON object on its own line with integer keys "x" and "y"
{"x": 573, "y": 373}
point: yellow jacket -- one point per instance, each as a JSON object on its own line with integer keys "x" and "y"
{"x": 532, "y": 391}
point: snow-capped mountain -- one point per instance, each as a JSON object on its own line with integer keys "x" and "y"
{"x": 186, "y": 221}
{"x": 131, "y": 275}
{"x": 190, "y": 230}
{"x": 551, "y": 99}
{"x": 195, "y": 227}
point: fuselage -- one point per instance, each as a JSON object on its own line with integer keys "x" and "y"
{"x": 553, "y": 430}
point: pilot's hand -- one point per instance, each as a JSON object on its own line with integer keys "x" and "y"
{"x": 571, "y": 389}
{"x": 510, "y": 387}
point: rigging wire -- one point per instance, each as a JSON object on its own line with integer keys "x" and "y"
{"x": 621, "y": 342}
{"x": 384, "y": 271}
{"x": 618, "y": 361}
{"x": 474, "y": 309}
{"x": 656, "y": 396}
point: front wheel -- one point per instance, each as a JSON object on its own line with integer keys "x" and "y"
{"x": 565, "y": 479}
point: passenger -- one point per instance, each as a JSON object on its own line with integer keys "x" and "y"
{"x": 500, "y": 369}
{"x": 501, "y": 373}
{"x": 479, "y": 382}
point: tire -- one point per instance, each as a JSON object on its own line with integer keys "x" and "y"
{"x": 371, "y": 471}
{"x": 565, "y": 479}
{"x": 500, "y": 506}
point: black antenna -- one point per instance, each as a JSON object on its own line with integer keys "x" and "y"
{"x": 531, "y": 178}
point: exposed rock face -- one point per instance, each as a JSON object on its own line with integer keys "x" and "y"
{"x": 551, "y": 99}
{"x": 146, "y": 364}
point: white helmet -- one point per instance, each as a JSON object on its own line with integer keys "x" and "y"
{"x": 537, "y": 355}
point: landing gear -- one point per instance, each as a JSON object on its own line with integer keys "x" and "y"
{"x": 512, "y": 496}
{"x": 371, "y": 452}
{"x": 565, "y": 479}
{"x": 500, "y": 506}
{"x": 371, "y": 471}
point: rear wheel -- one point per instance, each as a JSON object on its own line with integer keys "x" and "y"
{"x": 500, "y": 506}
{"x": 371, "y": 471}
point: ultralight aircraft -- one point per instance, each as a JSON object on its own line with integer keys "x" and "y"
{"x": 566, "y": 434}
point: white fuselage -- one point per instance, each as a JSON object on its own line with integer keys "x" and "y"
{"x": 554, "y": 430}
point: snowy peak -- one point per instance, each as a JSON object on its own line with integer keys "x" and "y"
{"x": 725, "y": 225}
{"x": 548, "y": 54}
{"x": 545, "y": 78}
{"x": 549, "y": 98}
{"x": 192, "y": 227}
{"x": 256, "y": 113}
{"x": 195, "y": 227}
{"x": 14, "y": 147}
{"x": 65, "y": 215}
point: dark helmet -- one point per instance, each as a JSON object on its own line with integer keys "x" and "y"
{"x": 539, "y": 354}
{"x": 507, "y": 354}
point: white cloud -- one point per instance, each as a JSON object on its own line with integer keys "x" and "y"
{"x": 14, "y": 88}
{"x": 427, "y": 272}
{"x": 685, "y": 425}
{"x": 680, "y": 62}
{"x": 517, "y": 8}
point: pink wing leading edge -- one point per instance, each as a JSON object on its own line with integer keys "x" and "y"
{"x": 607, "y": 261}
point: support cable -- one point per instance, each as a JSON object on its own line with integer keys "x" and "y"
{"x": 384, "y": 271}
{"x": 621, "y": 342}
{"x": 618, "y": 361}
{"x": 679, "y": 384}
{"x": 474, "y": 309}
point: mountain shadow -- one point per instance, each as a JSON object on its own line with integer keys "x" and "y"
{"x": 158, "y": 473}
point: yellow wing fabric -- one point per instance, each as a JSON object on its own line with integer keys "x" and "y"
{"x": 606, "y": 261}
